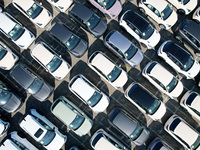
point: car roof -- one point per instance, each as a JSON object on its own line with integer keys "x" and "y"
{"x": 103, "y": 143}
{"x": 8, "y": 144}
{"x": 193, "y": 28}
{"x": 25, "y": 5}
{"x": 158, "y": 4}
{"x": 6, "y": 24}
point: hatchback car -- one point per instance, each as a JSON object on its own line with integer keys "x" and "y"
{"x": 30, "y": 82}
{"x": 88, "y": 19}
{"x": 196, "y": 15}
{"x": 89, "y": 93}
{"x": 75, "y": 119}
{"x": 183, "y": 132}
{"x": 101, "y": 140}
{"x": 62, "y": 5}
{"x": 111, "y": 8}
{"x": 4, "y": 126}
{"x": 14, "y": 30}
{"x": 34, "y": 11}
{"x": 123, "y": 48}
{"x": 74, "y": 44}
{"x": 191, "y": 102}
{"x": 140, "y": 29}
{"x": 145, "y": 101}
{"x": 48, "y": 59}
{"x": 42, "y": 130}
{"x": 129, "y": 126}
{"x": 103, "y": 66}
{"x": 158, "y": 144}
{"x": 160, "y": 11}
{"x": 163, "y": 79}
{"x": 179, "y": 59}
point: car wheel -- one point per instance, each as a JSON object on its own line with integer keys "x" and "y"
{"x": 162, "y": 26}
{"x": 181, "y": 11}
{"x": 21, "y": 134}
{"x": 142, "y": 10}
{"x": 178, "y": 38}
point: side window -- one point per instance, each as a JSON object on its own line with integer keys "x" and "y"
{"x": 100, "y": 71}
{"x": 153, "y": 9}
{"x": 174, "y": 59}
{"x": 21, "y": 8}
{"x": 43, "y": 123}
{"x": 137, "y": 32}
{"x": 158, "y": 82}
{"x": 149, "y": 6}
{"x": 192, "y": 38}
{"x": 113, "y": 46}
{"x": 157, "y": 13}
{"x": 99, "y": 2}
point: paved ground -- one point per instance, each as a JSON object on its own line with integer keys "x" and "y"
{"x": 79, "y": 66}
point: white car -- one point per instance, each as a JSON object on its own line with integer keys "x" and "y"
{"x": 184, "y": 6}
{"x": 103, "y": 66}
{"x": 179, "y": 59}
{"x": 180, "y": 130}
{"x": 62, "y": 5}
{"x": 48, "y": 59}
{"x": 7, "y": 57}
{"x": 42, "y": 130}
{"x": 34, "y": 11}
{"x": 163, "y": 79}
{"x": 140, "y": 28}
{"x": 15, "y": 31}
{"x": 160, "y": 11}
{"x": 191, "y": 102}
{"x": 88, "y": 93}
{"x": 4, "y": 126}
{"x": 196, "y": 15}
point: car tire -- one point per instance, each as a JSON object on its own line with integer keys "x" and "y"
{"x": 181, "y": 11}
{"x": 162, "y": 26}
{"x": 142, "y": 10}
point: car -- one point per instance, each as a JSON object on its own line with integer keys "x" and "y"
{"x": 51, "y": 61}
{"x": 160, "y": 11}
{"x": 101, "y": 140}
{"x": 7, "y": 57}
{"x": 196, "y": 15}
{"x": 31, "y": 82}
{"x": 179, "y": 58}
{"x": 158, "y": 144}
{"x": 88, "y": 19}
{"x": 4, "y": 126}
{"x": 15, "y": 31}
{"x": 111, "y": 8}
{"x": 190, "y": 101}
{"x": 181, "y": 131}
{"x": 187, "y": 32}
{"x": 140, "y": 29}
{"x": 62, "y": 5}
{"x": 129, "y": 126}
{"x": 75, "y": 119}
{"x": 104, "y": 67}
{"x": 184, "y": 7}
{"x": 9, "y": 100}
{"x": 88, "y": 93}
{"x": 162, "y": 79}
{"x": 33, "y": 11}
{"x": 145, "y": 101}
{"x": 74, "y": 43}
{"x": 16, "y": 141}
{"x": 42, "y": 130}
{"x": 123, "y": 48}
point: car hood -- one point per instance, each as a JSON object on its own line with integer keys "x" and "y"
{"x": 100, "y": 28}
{"x": 142, "y": 138}
{"x": 43, "y": 18}
{"x": 136, "y": 59}
{"x": 159, "y": 113}
{"x": 177, "y": 90}
{"x": 115, "y": 10}
{"x": 194, "y": 70}
{"x": 102, "y": 104}
{"x": 80, "y": 49}
{"x": 121, "y": 80}
{"x": 8, "y": 61}
{"x": 171, "y": 20}
{"x": 84, "y": 128}
{"x": 153, "y": 40}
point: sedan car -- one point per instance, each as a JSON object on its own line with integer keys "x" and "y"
{"x": 158, "y": 144}
{"x": 62, "y": 5}
{"x": 14, "y": 30}
{"x": 123, "y": 48}
{"x": 111, "y": 8}
{"x": 183, "y": 132}
{"x": 160, "y": 11}
{"x": 88, "y": 19}
{"x": 74, "y": 43}
{"x": 196, "y": 15}
{"x": 140, "y": 29}
{"x": 179, "y": 59}
{"x": 191, "y": 102}
{"x": 71, "y": 116}
{"x": 48, "y": 59}
{"x": 145, "y": 101}
{"x": 34, "y": 11}
{"x": 30, "y": 82}
{"x": 4, "y": 126}
{"x": 129, "y": 126}
{"x": 162, "y": 79}
{"x": 88, "y": 93}
{"x": 103, "y": 66}
{"x": 42, "y": 130}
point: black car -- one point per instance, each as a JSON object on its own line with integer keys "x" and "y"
{"x": 88, "y": 19}
{"x": 188, "y": 31}
{"x": 74, "y": 43}
{"x": 32, "y": 83}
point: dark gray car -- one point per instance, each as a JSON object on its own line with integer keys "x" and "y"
{"x": 74, "y": 43}
{"x": 32, "y": 83}
{"x": 129, "y": 126}
{"x": 88, "y": 19}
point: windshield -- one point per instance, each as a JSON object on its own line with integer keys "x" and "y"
{"x": 77, "y": 122}
{"x": 108, "y": 3}
{"x": 4, "y": 97}
{"x": 16, "y": 32}
{"x": 172, "y": 84}
{"x": 93, "y": 21}
{"x": 196, "y": 143}
{"x": 147, "y": 32}
{"x": 54, "y": 64}
{"x": 96, "y": 97}
{"x": 48, "y": 137}
{"x": 34, "y": 11}
{"x": 72, "y": 42}
{"x": 114, "y": 74}
{"x": 130, "y": 52}
{"x": 184, "y": 1}
{"x": 136, "y": 132}
{"x": 35, "y": 86}
{"x": 3, "y": 52}
{"x": 166, "y": 12}
{"x": 152, "y": 109}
